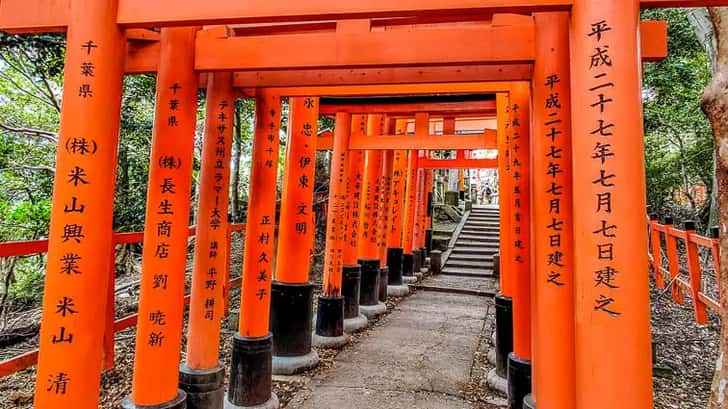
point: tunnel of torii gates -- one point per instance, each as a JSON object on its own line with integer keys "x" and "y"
{"x": 573, "y": 308}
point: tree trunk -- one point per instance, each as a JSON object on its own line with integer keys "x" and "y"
{"x": 702, "y": 26}
{"x": 235, "y": 166}
{"x": 715, "y": 106}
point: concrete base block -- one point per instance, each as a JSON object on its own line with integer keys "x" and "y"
{"x": 371, "y": 311}
{"x": 398, "y": 290}
{"x": 528, "y": 402}
{"x": 290, "y": 365}
{"x": 179, "y": 402}
{"x": 497, "y": 383}
{"x": 330, "y": 342}
{"x": 491, "y": 356}
{"x": 355, "y": 324}
{"x": 419, "y": 276}
{"x": 424, "y": 270}
{"x": 272, "y": 403}
{"x": 409, "y": 279}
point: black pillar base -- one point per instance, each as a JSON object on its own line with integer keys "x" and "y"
{"x": 528, "y": 402}
{"x": 436, "y": 262}
{"x": 205, "y": 389}
{"x": 369, "y": 284}
{"x": 251, "y": 371}
{"x": 330, "y": 317}
{"x": 462, "y": 195}
{"x": 425, "y": 254}
{"x": 407, "y": 265}
{"x": 503, "y": 333}
{"x": 394, "y": 264}
{"x": 351, "y": 283}
{"x": 291, "y": 314}
{"x": 416, "y": 261}
{"x": 383, "y": 280}
{"x": 428, "y": 241}
{"x": 519, "y": 381}
{"x": 179, "y": 402}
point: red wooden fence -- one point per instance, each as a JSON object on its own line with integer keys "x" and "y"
{"x": 670, "y": 276}
{"x": 26, "y": 248}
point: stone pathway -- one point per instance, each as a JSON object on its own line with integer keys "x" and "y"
{"x": 419, "y": 356}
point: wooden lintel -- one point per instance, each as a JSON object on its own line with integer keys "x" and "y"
{"x": 457, "y": 163}
{"x": 52, "y": 15}
{"x": 486, "y": 108}
{"x": 360, "y": 49}
{"x": 486, "y": 87}
{"x": 486, "y": 140}
{"x": 383, "y": 75}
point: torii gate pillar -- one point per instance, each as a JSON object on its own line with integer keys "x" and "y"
{"x": 368, "y": 245}
{"x": 161, "y": 299}
{"x": 504, "y": 298}
{"x": 519, "y": 361}
{"x": 292, "y": 293}
{"x": 612, "y": 306}
{"x": 395, "y": 216}
{"x": 202, "y": 376}
{"x": 251, "y": 366}
{"x": 552, "y": 293}
{"x": 78, "y": 267}
{"x": 330, "y": 313}
{"x": 354, "y": 320}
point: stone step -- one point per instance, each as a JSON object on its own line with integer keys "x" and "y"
{"x": 485, "y": 216}
{"x": 466, "y": 272}
{"x": 471, "y": 264}
{"x": 486, "y": 258}
{"x": 482, "y": 223}
{"x": 480, "y": 230}
{"x": 483, "y": 250}
{"x": 492, "y": 228}
{"x": 478, "y": 238}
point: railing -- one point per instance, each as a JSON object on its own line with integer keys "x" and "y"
{"x": 27, "y": 248}
{"x": 673, "y": 277}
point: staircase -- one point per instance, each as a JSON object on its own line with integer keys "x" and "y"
{"x": 475, "y": 245}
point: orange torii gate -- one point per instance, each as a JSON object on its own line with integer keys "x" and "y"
{"x": 610, "y": 306}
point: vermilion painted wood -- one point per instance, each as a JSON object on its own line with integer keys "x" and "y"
{"x": 485, "y": 108}
{"x": 694, "y": 286}
{"x": 80, "y": 232}
{"x": 26, "y": 248}
{"x": 552, "y": 283}
{"x": 336, "y": 230}
{"x": 389, "y": 89}
{"x": 156, "y": 363}
{"x": 258, "y": 253}
{"x": 507, "y": 44}
{"x": 296, "y": 239}
{"x": 424, "y": 142}
{"x": 457, "y": 163}
{"x": 505, "y": 182}
{"x": 379, "y": 75}
{"x": 210, "y": 271}
{"x": 614, "y": 321}
{"x": 521, "y": 254}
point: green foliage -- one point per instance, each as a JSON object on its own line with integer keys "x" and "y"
{"x": 678, "y": 138}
